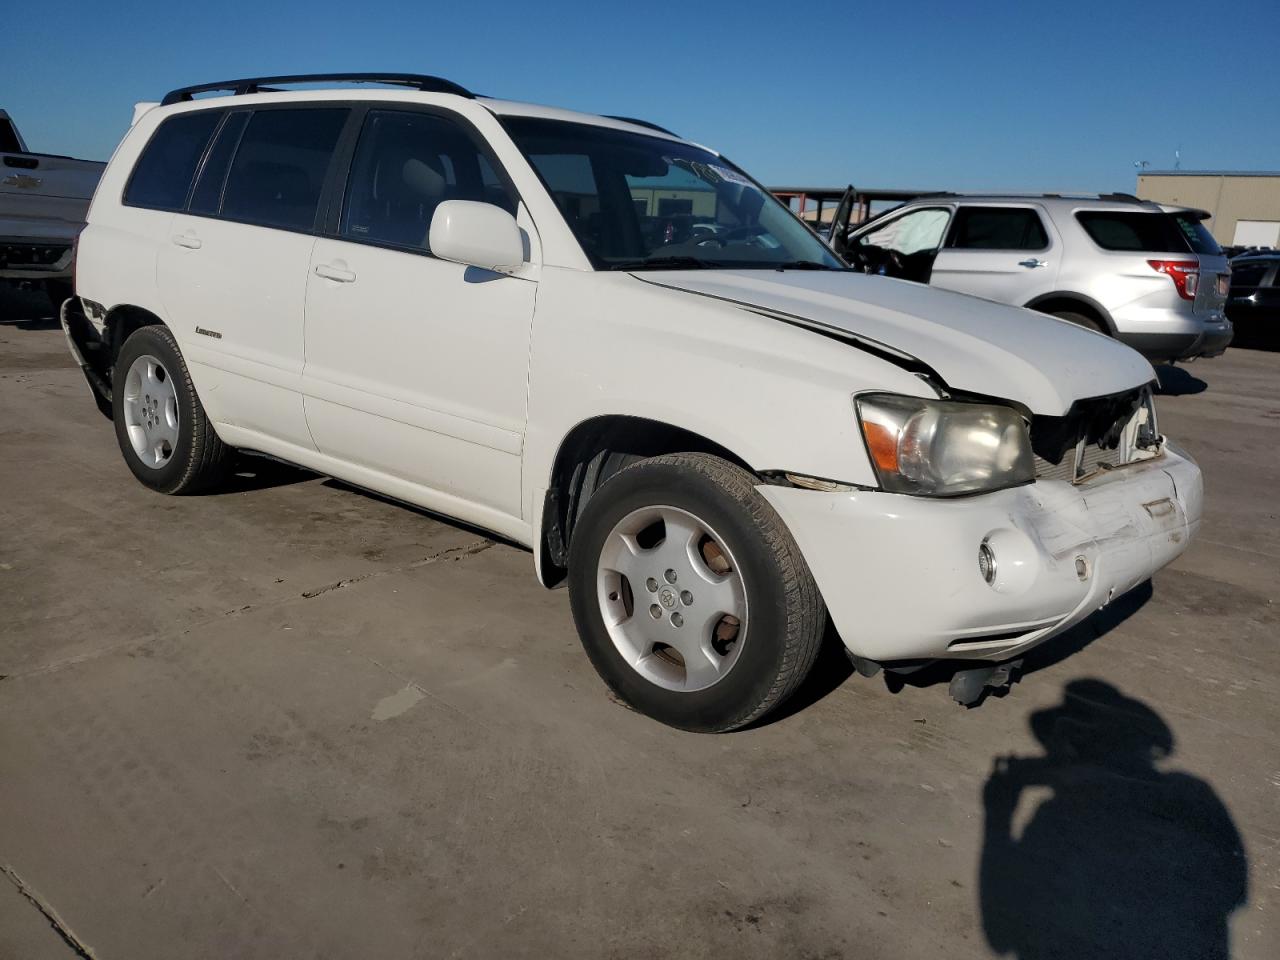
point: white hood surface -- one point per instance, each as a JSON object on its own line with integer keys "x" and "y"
{"x": 975, "y": 345}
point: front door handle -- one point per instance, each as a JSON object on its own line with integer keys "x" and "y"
{"x": 1031, "y": 263}
{"x": 188, "y": 240}
{"x": 335, "y": 271}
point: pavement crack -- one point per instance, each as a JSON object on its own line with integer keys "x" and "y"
{"x": 336, "y": 585}
{"x": 451, "y": 554}
{"x": 59, "y": 925}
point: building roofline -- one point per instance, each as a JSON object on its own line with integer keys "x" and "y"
{"x": 1210, "y": 173}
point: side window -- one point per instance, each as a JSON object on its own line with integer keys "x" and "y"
{"x": 915, "y": 232}
{"x": 279, "y": 169}
{"x": 207, "y": 196}
{"x": 405, "y": 165}
{"x": 998, "y": 228}
{"x": 162, "y": 176}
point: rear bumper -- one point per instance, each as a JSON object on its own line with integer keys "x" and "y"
{"x": 1212, "y": 341}
{"x": 1173, "y": 334}
{"x": 35, "y": 258}
{"x": 900, "y": 574}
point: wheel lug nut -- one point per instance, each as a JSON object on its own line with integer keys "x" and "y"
{"x": 670, "y": 576}
{"x": 677, "y": 620}
{"x": 686, "y": 598}
{"x": 655, "y": 611}
{"x": 652, "y": 584}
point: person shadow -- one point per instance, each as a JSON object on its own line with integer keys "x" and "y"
{"x": 1118, "y": 857}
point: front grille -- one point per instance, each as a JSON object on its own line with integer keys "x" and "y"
{"x": 1092, "y": 459}
{"x": 1096, "y": 435}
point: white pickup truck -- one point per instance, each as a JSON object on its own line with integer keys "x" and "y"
{"x": 43, "y": 202}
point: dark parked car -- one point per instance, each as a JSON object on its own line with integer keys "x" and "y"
{"x": 1253, "y": 303}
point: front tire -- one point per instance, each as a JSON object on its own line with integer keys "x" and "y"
{"x": 691, "y": 598}
{"x": 163, "y": 432}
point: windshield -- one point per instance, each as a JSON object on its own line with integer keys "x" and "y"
{"x": 636, "y": 202}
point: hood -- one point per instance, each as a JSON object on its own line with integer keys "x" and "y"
{"x": 974, "y": 345}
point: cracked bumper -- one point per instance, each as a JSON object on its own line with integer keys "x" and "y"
{"x": 900, "y": 574}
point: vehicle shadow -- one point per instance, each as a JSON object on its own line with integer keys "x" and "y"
{"x": 26, "y": 309}
{"x": 1177, "y": 381}
{"x": 1118, "y": 857}
{"x": 259, "y": 473}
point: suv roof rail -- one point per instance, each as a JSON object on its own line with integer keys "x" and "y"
{"x": 417, "y": 81}
{"x": 641, "y": 123}
{"x": 1121, "y": 196}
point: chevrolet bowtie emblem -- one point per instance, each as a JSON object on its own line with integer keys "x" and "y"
{"x": 22, "y": 180}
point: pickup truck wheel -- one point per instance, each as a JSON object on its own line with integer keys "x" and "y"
{"x": 691, "y": 598}
{"x": 161, "y": 427}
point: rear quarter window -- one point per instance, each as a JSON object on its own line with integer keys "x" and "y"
{"x": 161, "y": 178}
{"x": 1146, "y": 232}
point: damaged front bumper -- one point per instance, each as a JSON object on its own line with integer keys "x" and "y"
{"x": 901, "y": 578}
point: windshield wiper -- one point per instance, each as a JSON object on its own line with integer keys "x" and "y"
{"x": 806, "y": 265}
{"x": 662, "y": 263}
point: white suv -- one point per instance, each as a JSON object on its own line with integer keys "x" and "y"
{"x": 1147, "y": 274}
{"x": 612, "y": 346}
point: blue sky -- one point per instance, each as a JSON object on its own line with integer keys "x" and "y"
{"x": 1020, "y": 95}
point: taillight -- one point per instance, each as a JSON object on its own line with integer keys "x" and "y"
{"x": 1185, "y": 275}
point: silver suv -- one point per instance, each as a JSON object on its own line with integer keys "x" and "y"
{"x": 1150, "y": 275}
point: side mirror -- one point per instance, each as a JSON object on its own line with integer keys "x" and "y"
{"x": 477, "y": 234}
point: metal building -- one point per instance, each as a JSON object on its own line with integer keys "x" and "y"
{"x": 1245, "y": 205}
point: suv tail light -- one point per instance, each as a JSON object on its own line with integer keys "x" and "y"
{"x": 1185, "y": 275}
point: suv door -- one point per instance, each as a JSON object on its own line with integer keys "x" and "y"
{"x": 233, "y": 271}
{"x": 901, "y": 245}
{"x": 1003, "y": 252}
{"x": 417, "y": 368}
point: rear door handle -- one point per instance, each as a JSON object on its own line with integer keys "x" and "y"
{"x": 1032, "y": 263}
{"x": 335, "y": 271}
{"x": 188, "y": 240}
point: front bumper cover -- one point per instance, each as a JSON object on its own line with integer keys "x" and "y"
{"x": 900, "y": 574}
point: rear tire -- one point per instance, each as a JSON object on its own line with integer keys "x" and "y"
{"x": 163, "y": 432}
{"x": 1080, "y": 320}
{"x": 653, "y": 610}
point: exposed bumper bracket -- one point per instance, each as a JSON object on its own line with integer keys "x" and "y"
{"x": 968, "y": 686}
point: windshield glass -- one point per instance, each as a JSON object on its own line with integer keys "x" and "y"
{"x": 636, "y": 202}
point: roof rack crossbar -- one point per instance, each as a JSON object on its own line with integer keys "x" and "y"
{"x": 416, "y": 81}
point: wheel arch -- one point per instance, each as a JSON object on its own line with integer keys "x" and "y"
{"x": 1077, "y": 303}
{"x": 587, "y": 456}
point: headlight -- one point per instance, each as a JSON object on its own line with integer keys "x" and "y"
{"x": 940, "y": 448}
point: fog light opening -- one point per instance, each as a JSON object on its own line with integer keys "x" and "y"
{"x": 1082, "y": 568}
{"x": 987, "y": 563}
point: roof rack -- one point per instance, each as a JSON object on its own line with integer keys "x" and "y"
{"x": 1121, "y": 196}
{"x": 239, "y": 88}
{"x": 642, "y": 123}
